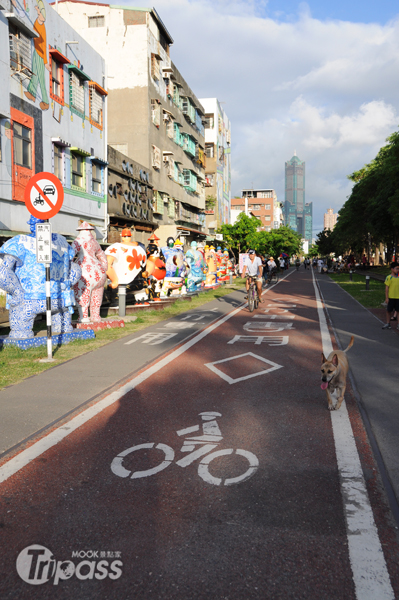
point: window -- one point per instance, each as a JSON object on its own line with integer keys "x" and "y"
{"x": 56, "y": 69}
{"x": 255, "y": 206}
{"x": 208, "y": 179}
{"x": 158, "y": 204}
{"x": 96, "y": 178}
{"x": 178, "y": 136}
{"x": 267, "y": 206}
{"x": 20, "y": 49}
{"x": 77, "y": 94}
{"x": 58, "y": 159}
{"x": 209, "y": 150}
{"x": 78, "y": 169}
{"x": 156, "y": 157}
{"x": 268, "y": 218}
{"x": 22, "y": 145}
{"x": 209, "y": 121}
{"x": 171, "y": 209}
{"x": 97, "y": 21}
{"x": 155, "y": 70}
{"x": 156, "y": 112}
{"x": 96, "y": 104}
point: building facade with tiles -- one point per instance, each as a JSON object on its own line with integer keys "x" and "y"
{"x": 52, "y": 117}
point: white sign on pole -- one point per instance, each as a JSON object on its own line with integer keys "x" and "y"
{"x": 43, "y": 243}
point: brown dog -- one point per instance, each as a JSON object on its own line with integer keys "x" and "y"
{"x": 334, "y": 370}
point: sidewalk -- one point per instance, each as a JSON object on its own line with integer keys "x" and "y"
{"x": 38, "y": 402}
{"x": 373, "y": 362}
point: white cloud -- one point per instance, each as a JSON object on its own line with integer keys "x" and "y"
{"x": 327, "y": 89}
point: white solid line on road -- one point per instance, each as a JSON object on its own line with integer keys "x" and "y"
{"x": 370, "y": 573}
{"x": 26, "y": 456}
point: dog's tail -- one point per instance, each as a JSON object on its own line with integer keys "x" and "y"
{"x": 350, "y": 343}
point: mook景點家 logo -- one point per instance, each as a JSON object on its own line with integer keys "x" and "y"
{"x": 36, "y": 565}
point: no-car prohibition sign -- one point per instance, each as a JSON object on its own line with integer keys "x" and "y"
{"x": 44, "y": 195}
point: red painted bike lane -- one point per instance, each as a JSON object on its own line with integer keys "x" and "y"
{"x": 215, "y": 478}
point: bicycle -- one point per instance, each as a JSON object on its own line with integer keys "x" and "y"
{"x": 253, "y": 296}
{"x": 211, "y": 433}
{"x": 273, "y": 276}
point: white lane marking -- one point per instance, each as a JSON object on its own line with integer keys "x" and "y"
{"x": 152, "y": 339}
{"x": 370, "y": 573}
{"x": 274, "y": 317}
{"x": 179, "y": 325}
{"x": 266, "y": 326}
{"x": 273, "y": 367}
{"x": 38, "y": 448}
{"x": 272, "y": 340}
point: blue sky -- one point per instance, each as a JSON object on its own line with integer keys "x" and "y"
{"x": 319, "y": 78}
{"x": 357, "y": 11}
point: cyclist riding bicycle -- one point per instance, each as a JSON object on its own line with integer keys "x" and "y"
{"x": 272, "y": 268}
{"x": 253, "y": 268}
{"x": 297, "y": 263}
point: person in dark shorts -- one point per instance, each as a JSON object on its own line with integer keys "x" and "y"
{"x": 392, "y": 293}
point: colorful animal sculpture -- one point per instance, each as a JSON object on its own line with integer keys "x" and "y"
{"x": 211, "y": 263}
{"x": 175, "y": 268}
{"x": 89, "y": 289}
{"x": 196, "y": 264}
{"x": 125, "y": 260}
{"x": 24, "y": 280}
{"x": 155, "y": 270}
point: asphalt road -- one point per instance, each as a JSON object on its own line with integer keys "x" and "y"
{"x": 215, "y": 473}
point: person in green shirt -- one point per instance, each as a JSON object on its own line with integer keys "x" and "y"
{"x": 392, "y": 293}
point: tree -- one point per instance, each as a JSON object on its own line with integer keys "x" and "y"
{"x": 244, "y": 235}
{"x": 238, "y": 237}
{"x": 313, "y": 251}
{"x": 370, "y": 216}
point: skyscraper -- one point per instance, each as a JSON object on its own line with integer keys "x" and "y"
{"x": 298, "y": 214}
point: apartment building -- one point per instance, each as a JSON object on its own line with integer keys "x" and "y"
{"x": 330, "y": 219}
{"x": 218, "y": 163}
{"x": 153, "y": 115}
{"x": 52, "y": 117}
{"x": 263, "y": 204}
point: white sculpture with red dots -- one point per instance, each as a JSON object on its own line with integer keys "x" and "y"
{"x": 90, "y": 288}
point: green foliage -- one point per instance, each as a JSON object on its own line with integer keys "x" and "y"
{"x": 370, "y": 216}
{"x": 313, "y": 251}
{"x": 243, "y": 235}
{"x": 210, "y": 202}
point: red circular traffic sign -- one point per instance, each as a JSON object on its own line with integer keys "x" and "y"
{"x": 44, "y": 195}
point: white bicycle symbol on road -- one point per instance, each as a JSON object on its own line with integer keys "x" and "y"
{"x": 207, "y": 443}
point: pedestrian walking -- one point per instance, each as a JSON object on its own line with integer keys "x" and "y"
{"x": 320, "y": 265}
{"x": 392, "y": 294}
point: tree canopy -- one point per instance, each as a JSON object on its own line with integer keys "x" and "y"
{"x": 370, "y": 216}
{"x": 244, "y": 235}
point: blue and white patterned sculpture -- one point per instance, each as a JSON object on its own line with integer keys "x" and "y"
{"x": 196, "y": 263}
{"x": 23, "y": 278}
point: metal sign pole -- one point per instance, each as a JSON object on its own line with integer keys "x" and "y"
{"x": 44, "y": 255}
{"x": 48, "y": 315}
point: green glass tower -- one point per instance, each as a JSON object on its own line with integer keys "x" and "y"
{"x": 297, "y": 213}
